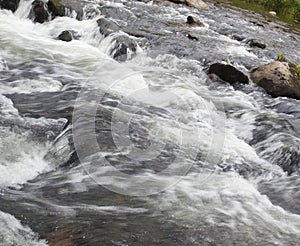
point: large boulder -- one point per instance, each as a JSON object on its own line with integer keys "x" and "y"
{"x": 39, "y": 12}
{"x": 199, "y": 4}
{"x": 228, "y": 73}
{"x": 278, "y": 79}
{"x": 9, "y": 4}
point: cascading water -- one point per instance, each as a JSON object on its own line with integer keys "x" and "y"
{"x": 105, "y": 147}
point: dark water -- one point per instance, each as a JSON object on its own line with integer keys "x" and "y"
{"x": 86, "y": 141}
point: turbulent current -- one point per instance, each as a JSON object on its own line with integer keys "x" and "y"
{"x": 100, "y": 147}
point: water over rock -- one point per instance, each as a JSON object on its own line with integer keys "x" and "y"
{"x": 278, "y": 79}
{"x": 124, "y": 44}
{"x": 228, "y": 73}
{"x": 117, "y": 13}
{"x": 191, "y": 20}
{"x": 256, "y": 43}
{"x": 9, "y": 4}
{"x": 107, "y": 27}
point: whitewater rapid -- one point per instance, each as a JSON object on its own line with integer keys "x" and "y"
{"x": 219, "y": 189}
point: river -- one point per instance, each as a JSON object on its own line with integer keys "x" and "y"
{"x": 143, "y": 149}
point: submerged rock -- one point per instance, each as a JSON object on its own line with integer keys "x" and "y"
{"x": 228, "y": 73}
{"x": 256, "y": 43}
{"x": 191, "y": 20}
{"x": 237, "y": 37}
{"x": 278, "y": 79}
{"x": 66, "y": 36}
{"x": 39, "y": 12}
{"x": 191, "y": 37}
{"x": 9, "y": 4}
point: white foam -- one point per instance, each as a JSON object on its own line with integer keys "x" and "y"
{"x": 14, "y": 233}
{"x": 24, "y": 8}
{"x": 227, "y": 200}
{"x": 20, "y": 160}
{"x": 239, "y": 51}
{"x": 31, "y": 85}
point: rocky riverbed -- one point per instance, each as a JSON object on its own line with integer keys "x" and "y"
{"x": 147, "y": 123}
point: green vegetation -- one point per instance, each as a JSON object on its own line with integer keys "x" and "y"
{"x": 280, "y": 57}
{"x": 287, "y": 7}
{"x": 297, "y": 71}
{"x": 287, "y": 10}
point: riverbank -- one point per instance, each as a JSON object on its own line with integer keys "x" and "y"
{"x": 286, "y": 15}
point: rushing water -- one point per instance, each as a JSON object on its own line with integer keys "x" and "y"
{"x": 145, "y": 151}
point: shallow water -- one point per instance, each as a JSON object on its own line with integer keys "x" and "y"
{"x": 146, "y": 151}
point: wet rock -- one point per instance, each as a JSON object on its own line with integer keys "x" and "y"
{"x": 191, "y": 20}
{"x": 124, "y": 48}
{"x": 117, "y": 13}
{"x": 257, "y": 23}
{"x": 59, "y": 8}
{"x": 56, "y": 8}
{"x": 124, "y": 45}
{"x": 278, "y": 79}
{"x": 191, "y": 37}
{"x": 74, "y": 6}
{"x": 9, "y": 4}
{"x": 237, "y": 37}
{"x": 107, "y": 27}
{"x": 228, "y": 73}
{"x": 91, "y": 12}
{"x": 39, "y": 12}
{"x": 66, "y": 36}
{"x": 199, "y": 4}
{"x": 256, "y": 43}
